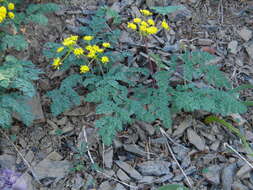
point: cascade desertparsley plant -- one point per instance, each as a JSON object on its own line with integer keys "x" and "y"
{"x": 147, "y": 25}
{"x": 93, "y": 52}
{"x": 6, "y": 10}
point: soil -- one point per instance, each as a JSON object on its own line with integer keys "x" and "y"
{"x": 140, "y": 157}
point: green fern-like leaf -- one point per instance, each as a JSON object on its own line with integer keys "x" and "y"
{"x": 38, "y": 18}
{"x": 65, "y": 97}
{"x": 17, "y": 42}
{"x": 108, "y": 127}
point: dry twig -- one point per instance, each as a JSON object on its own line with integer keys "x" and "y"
{"x": 174, "y": 157}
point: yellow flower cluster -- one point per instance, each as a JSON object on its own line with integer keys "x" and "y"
{"x": 92, "y": 52}
{"x": 70, "y": 41}
{"x": 146, "y": 26}
{"x": 4, "y": 13}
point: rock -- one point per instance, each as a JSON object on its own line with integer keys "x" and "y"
{"x": 243, "y": 170}
{"x": 29, "y": 156}
{"x": 129, "y": 170}
{"x": 180, "y": 151}
{"x": 147, "y": 127}
{"x": 239, "y": 186}
{"x": 135, "y": 149}
{"x": 232, "y": 47}
{"x": 212, "y": 174}
{"x": 182, "y": 127}
{"x": 195, "y": 139}
{"x": 105, "y": 186}
{"x": 52, "y": 169}
{"x": 164, "y": 178}
{"x": 147, "y": 179}
{"x": 35, "y": 104}
{"x": 156, "y": 168}
{"x": 108, "y": 157}
{"x": 122, "y": 175}
{"x": 227, "y": 176}
{"x": 54, "y": 156}
{"x": 24, "y": 181}
{"x": 249, "y": 49}
{"x": 215, "y": 145}
{"x": 204, "y": 42}
{"x": 119, "y": 187}
{"x": 245, "y": 34}
{"x": 7, "y": 161}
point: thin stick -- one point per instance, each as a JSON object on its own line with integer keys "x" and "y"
{"x": 227, "y": 145}
{"x": 23, "y": 158}
{"x": 88, "y": 150}
{"x": 174, "y": 157}
{"x": 92, "y": 161}
{"x": 112, "y": 178}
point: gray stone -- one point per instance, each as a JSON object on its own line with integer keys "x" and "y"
{"x": 129, "y": 170}
{"x": 108, "y": 157}
{"x": 122, "y": 175}
{"x": 147, "y": 127}
{"x": 212, "y": 174}
{"x": 119, "y": 187}
{"x": 147, "y": 179}
{"x": 204, "y": 42}
{"x": 135, "y": 149}
{"x": 227, "y": 176}
{"x": 164, "y": 178}
{"x": 232, "y": 47}
{"x": 156, "y": 168}
{"x": 249, "y": 49}
{"x": 52, "y": 169}
{"x": 195, "y": 139}
{"x": 245, "y": 34}
{"x": 7, "y": 161}
{"x": 105, "y": 186}
{"x": 239, "y": 186}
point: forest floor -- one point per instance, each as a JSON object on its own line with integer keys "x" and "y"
{"x": 140, "y": 157}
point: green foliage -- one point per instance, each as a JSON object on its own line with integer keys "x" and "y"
{"x": 17, "y": 42}
{"x": 167, "y": 10}
{"x": 65, "y": 97}
{"x": 36, "y": 13}
{"x": 122, "y": 98}
{"x": 17, "y": 76}
{"x": 173, "y": 187}
{"x": 16, "y": 88}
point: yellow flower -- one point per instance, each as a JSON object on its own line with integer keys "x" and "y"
{"x": 106, "y": 45}
{"x": 74, "y": 38}
{"x": 11, "y": 6}
{"x": 143, "y": 23}
{"x": 151, "y": 22}
{"x": 104, "y": 59}
{"x": 132, "y": 26}
{"x": 84, "y": 69}
{"x": 11, "y": 15}
{"x": 89, "y": 47}
{"x": 165, "y": 25}
{"x": 70, "y": 41}
{"x": 146, "y": 12}
{"x": 152, "y": 30}
{"x": 92, "y": 54}
{"x": 3, "y": 13}
{"x": 137, "y": 20}
{"x": 143, "y": 29}
{"x": 57, "y": 62}
{"x": 88, "y": 38}
{"x": 60, "y": 49}
{"x": 78, "y": 51}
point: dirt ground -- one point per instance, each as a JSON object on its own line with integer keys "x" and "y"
{"x": 140, "y": 157}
